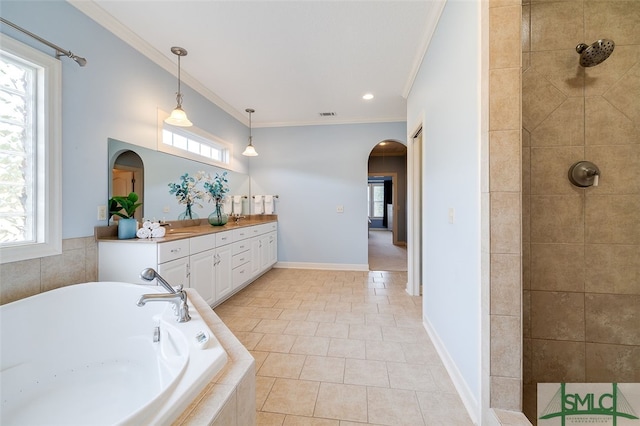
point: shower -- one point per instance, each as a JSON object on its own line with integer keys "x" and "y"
{"x": 595, "y": 54}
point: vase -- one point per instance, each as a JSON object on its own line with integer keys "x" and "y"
{"x": 188, "y": 214}
{"x": 218, "y": 217}
{"x": 127, "y": 228}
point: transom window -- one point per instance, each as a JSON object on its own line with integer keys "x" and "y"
{"x": 195, "y": 144}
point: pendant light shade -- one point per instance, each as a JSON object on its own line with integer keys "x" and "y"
{"x": 250, "y": 151}
{"x": 178, "y": 117}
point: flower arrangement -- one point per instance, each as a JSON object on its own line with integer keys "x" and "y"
{"x": 188, "y": 193}
{"x": 217, "y": 187}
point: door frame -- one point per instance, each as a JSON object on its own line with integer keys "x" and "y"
{"x": 415, "y": 150}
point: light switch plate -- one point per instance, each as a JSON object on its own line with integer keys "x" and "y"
{"x": 340, "y": 209}
{"x": 102, "y": 212}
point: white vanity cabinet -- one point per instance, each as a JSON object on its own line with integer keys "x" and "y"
{"x": 216, "y": 265}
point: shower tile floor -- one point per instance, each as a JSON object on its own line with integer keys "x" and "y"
{"x": 341, "y": 348}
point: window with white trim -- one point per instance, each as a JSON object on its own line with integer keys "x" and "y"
{"x": 195, "y": 144}
{"x": 30, "y": 152}
{"x": 375, "y": 197}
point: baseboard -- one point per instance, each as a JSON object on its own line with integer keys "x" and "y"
{"x": 323, "y": 266}
{"x": 469, "y": 401}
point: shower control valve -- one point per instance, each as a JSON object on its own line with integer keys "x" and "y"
{"x": 584, "y": 174}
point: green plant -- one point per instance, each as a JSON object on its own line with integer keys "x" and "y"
{"x": 129, "y": 204}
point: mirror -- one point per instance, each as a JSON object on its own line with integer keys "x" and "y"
{"x": 152, "y": 174}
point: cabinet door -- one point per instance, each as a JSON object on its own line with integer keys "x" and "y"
{"x": 264, "y": 252}
{"x": 255, "y": 256}
{"x": 273, "y": 248}
{"x": 175, "y": 272}
{"x": 223, "y": 272}
{"x": 202, "y": 267}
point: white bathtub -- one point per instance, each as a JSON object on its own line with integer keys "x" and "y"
{"x": 85, "y": 355}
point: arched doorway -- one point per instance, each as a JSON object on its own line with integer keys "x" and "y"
{"x": 127, "y": 175}
{"x": 387, "y": 201}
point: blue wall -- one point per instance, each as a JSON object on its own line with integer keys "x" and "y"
{"x": 446, "y": 95}
{"x": 315, "y": 169}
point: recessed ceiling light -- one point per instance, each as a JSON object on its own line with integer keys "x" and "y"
{"x": 367, "y": 96}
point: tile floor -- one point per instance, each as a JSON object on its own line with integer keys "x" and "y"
{"x": 341, "y": 348}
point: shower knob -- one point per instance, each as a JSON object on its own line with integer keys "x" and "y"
{"x": 584, "y": 174}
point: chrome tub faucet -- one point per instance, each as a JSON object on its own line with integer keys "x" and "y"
{"x": 176, "y": 296}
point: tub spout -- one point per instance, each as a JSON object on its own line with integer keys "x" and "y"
{"x": 179, "y": 300}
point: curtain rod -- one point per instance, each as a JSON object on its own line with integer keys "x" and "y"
{"x": 59, "y": 51}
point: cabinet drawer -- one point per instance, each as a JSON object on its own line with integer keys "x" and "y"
{"x": 224, "y": 238}
{"x": 240, "y": 246}
{"x": 202, "y": 243}
{"x": 240, "y": 259}
{"x": 173, "y": 250}
{"x": 242, "y": 233}
{"x": 241, "y": 275}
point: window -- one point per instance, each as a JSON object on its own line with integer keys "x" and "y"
{"x": 376, "y": 200}
{"x": 30, "y": 153}
{"x": 195, "y": 144}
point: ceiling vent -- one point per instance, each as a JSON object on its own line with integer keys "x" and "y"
{"x": 327, "y": 114}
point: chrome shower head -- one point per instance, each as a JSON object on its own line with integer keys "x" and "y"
{"x": 595, "y": 54}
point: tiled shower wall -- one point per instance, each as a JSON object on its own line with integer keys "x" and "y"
{"x": 581, "y": 247}
{"x": 78, "y": 263}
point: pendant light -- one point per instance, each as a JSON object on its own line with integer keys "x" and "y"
{"x": 250, "y": 151}
{"x": 178, "y": 117}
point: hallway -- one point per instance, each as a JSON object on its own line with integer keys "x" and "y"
{"x": 383, "y": 255}
{"x": 341, "y": 348}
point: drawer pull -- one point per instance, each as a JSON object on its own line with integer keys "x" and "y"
{"x": 176, "y": 250}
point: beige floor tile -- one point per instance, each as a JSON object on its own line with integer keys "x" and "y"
{"x": 346, "y": 348}
{"x": 380, "y": 319}
{"x": 404, "y": 335}
{"x": 260, "y": 302}
{"x": 366, "y": 373}
{"x": 384, "y": 351}
{"x": 350, "y": 317}
{"x": 313, "y": 305}
{"x": 441, "y": 408}
{"x": 305, "y": 296}
{"x": 263, "y": 387}
{"x": 289, "y": 396}
{"x": 322, "y": 316}
{"x": 309, "y": 421}
{"x": 311, "y": 345}
{"x": 323, "y": 369}
{"x": 301, "y": 328}
{"x": 293, "y": 315}
{"x": 420, "y": 353}
{"x": 365, "y": 308}
{"x": 364, "y": 332}
{"x": 338, "y": 306}
{"x": 329, "y": 297}
{"x": 392, "y": 309}
{"x": 336, "y": 330}
{"x": 259, "y": 356}
{"x": 344, "y": 402}
{"x": 273, "y": 326}
{"x": 240, "y": 323}
{"x": 287, "y": 304}
{"x": 249, "y": 339}
{"x": 410, "y": 376}
{"x": 282, "y": 365}
{"x": 270, "y": 419}
{"x": 408, "y": 321}
{"x": 275, "y": 343}
{"x": 266, "y": 313}
{"x": 393, "y": 407}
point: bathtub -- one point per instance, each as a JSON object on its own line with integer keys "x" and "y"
{"x": 85, "y": 355}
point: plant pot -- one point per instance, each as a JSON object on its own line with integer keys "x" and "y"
{"x": 218, "y": 217}
{"x": 127, "y": 228}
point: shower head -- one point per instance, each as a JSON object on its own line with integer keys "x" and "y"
{"x": 595, "y": 54}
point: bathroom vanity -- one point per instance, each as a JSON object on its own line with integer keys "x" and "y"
{"x": 214, "y": 261}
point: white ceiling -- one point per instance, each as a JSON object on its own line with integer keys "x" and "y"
{"x": 289, "y": 60}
